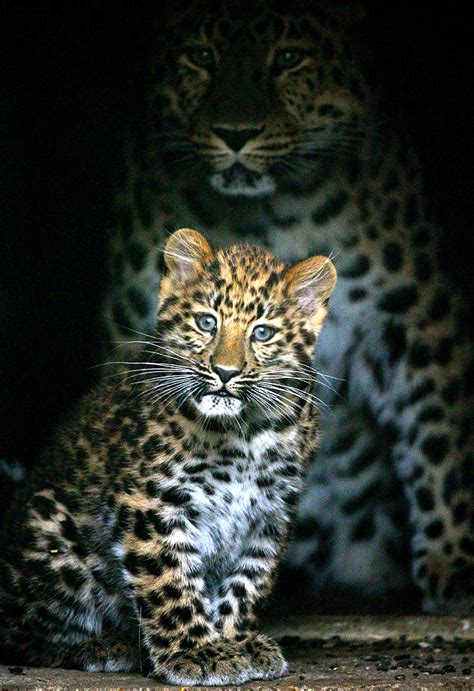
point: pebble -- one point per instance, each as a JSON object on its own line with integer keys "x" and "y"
{"x": 428, "y": 657}
{"x": 448, "y": 669}
{"x": 405, "y": 663}
{"x": 16, "y": 670}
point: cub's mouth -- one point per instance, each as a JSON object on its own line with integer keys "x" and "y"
{"x": 223, "y": 393}
{"x": 219, "y": 404}
{"x": 239, "y": 180}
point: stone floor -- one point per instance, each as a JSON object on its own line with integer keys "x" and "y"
{"x": 326, "y": 653}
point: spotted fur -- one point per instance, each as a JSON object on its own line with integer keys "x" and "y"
{"x": 152, "y": 530}
{"x": 262, "y": 125}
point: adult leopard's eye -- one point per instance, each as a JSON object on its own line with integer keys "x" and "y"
{"x": 263, "y": 333}
{"x": 206, "y": 322}
{"x": 202, "y": 57}
{"x": 288, "y": 58}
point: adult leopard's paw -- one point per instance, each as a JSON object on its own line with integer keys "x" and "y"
{"x": 454, "y": 595}
{"x": 217, "y": 663}
{"x": 460, "y": 606}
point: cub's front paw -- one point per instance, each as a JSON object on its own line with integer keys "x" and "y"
{"x": 267, "y": 659}
{"x": 222, "y": 662}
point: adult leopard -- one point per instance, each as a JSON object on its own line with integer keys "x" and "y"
{"x": 262, "y": 127}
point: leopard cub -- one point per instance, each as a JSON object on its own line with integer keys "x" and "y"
{"x": 155, "y": 522}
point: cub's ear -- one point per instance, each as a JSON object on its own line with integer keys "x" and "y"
{"x": 185, "y": 252}
{"x": 310, "y": 283}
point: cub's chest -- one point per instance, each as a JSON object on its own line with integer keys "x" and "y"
{"x": 227, "y": 516}
{"x": 229, "y": 498}
{"x": 228, "y": 503}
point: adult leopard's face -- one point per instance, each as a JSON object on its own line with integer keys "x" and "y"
{"x": 258, "y": 98}
{"x": 237, "y": 329}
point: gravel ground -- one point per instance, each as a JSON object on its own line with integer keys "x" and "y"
{"x": 429, "y": 653}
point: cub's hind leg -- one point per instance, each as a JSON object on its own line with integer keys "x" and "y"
{"x": 109, "y": 653}
{"x": 53, "y": 595}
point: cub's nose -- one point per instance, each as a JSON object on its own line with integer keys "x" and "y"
{"x": 225, "y": 373}
{"x": 236, "y": 138}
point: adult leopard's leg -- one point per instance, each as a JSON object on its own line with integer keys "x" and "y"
{"x": 419, "y": 424}
{"x": 434, "y": 457}
{"x": 128, "y": 312}
{"x": 144, "y": 216}
{"x": 351, "y": 537}
{"x": 424, "y": 396}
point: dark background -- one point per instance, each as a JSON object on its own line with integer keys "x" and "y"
{"x": 73, "y": 77}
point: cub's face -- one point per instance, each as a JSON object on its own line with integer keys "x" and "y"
{"x": 255, "y": 99}
{"x": 237, "y": 329}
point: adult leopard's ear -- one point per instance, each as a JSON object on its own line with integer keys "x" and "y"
{"x": 185, "y": 253}
{"x": 311, "y": 283}
{"x": 345, "y": 14}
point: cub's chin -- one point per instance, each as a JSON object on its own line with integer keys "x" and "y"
{"x": 215, "y": 405}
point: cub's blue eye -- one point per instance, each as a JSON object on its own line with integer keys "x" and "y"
{"x": 202, "y": 57}
{"x": 206, "y": 322}
{"x": 288, "y": 58}
{"x": 263, "y": 333}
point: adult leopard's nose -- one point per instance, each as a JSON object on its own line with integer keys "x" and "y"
{"x": 236, "y": 138}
